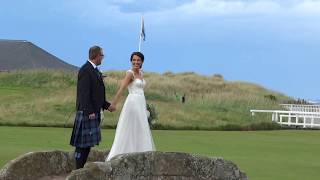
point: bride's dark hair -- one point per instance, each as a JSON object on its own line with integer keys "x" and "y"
{"x": 137, "y": 54}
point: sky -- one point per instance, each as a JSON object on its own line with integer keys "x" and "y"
{"x": 273, "y": 43}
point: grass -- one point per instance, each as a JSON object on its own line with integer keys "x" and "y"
{"x": 47, "y": 98}
{"x": 263, "y": 155}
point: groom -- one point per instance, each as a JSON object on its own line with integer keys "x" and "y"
{"x": 90, "y": 100}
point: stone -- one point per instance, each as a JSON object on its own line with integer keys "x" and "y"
{"x": 155, "y": 165}
{"x": 41, "y": 165}
{"x": 160, "y": 165}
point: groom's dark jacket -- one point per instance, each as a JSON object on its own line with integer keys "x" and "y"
{"x": 90, "y": 90}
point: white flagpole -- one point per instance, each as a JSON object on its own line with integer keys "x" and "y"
{"x": 140, "y": 44}
{"x": 140, "y": 34}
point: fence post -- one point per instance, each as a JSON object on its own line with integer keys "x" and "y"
{"x": 289, "y": 119}
{"x": 273, "y": 118}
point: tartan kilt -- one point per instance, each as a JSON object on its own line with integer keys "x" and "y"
{"x": 86, "y": 132}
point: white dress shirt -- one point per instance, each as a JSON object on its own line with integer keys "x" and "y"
{"x": 93, "y": 64}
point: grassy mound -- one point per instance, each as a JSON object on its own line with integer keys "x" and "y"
{"x": 47, "y": 98}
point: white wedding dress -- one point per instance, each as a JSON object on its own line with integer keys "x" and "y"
{"x": 133, "y": 132}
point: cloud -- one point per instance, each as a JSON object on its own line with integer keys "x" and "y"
{"x": 108, "y": 12}
{"x": 116, "y": 10}
{"x": 219, "y": 7}
{"x": 308, "y": 7}
{"x": 144, "y": 6}
{"x": 159, "y": 12}
{"x": 245, "y": 7}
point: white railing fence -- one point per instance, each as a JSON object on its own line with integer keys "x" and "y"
{"x": 306, "y": 116}
{"x": 300, "y": 107}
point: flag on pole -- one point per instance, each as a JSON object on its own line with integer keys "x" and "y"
{"x": 143, "y": 34}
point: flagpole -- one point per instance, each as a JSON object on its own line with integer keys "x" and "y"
{"x": 140, "y": 44}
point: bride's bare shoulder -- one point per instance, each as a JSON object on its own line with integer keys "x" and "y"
{"x": 130, "y": 74}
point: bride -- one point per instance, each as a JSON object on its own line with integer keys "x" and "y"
{"x": 133, "y": 132}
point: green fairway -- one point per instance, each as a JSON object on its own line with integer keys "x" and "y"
{"x": 261, "y": 154}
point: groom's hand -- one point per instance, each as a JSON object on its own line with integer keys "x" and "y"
{"x": 92, "y": 116}
{"x": 111, "y": 108}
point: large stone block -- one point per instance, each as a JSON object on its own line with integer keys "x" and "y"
{"x": 145, "y": 165}
{"x": 36, "y": 165}
{"x": 160, "y": 165}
